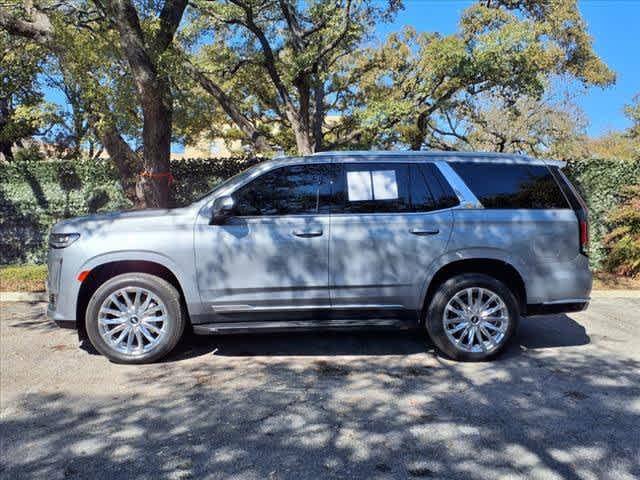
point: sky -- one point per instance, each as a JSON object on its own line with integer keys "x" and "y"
{"x": 613, "y": 24}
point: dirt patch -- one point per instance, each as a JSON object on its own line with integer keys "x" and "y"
{"x": 609, "y": 281}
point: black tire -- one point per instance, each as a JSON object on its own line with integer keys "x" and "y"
{"x": 159, "y": 287}
{"x": 446, "y": 291}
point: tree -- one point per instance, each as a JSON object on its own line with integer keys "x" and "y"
{"x": 23, "y": 111}
{"x": 632, "y": 111}
{"x": 415, "y": 82}
{"x": 269, "y": 63}
{"x": 142, "y": 43}
{"x": 539, "y": 127}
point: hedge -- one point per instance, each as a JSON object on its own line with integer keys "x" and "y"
{"x": 36, "y": 194}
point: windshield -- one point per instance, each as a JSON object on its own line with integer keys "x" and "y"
{"x": 238, "y": 176}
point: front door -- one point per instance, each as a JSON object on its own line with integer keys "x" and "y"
{"x": 272, "y": 256}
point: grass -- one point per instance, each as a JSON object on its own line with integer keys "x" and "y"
{"x": 31, "y": 278}
{"x": 23, "y": 278}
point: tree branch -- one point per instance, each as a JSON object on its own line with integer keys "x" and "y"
{"x": 39, "y": 29}
{"x": 170, "y": 17}
{"x": 227, "y": 104}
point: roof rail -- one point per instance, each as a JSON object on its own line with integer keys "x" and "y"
{"x": 450, "y": 156}
{"x": 419, "y": 153}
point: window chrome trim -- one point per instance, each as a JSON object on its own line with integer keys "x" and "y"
{"x": 463, "y": 192}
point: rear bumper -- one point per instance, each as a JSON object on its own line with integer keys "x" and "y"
{"x": 551, "y": 308}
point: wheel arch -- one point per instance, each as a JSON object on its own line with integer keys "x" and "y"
{"x": 102, "y": 272}
{"x": 500, "y": 269}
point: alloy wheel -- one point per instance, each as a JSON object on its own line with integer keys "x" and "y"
{"x": 132, "y": 320}
{"x": 476, "y": 320}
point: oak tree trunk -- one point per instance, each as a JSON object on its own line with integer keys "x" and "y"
{"x": 153, "y": 183}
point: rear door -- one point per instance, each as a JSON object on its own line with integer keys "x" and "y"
{"x": 387, "y": 226}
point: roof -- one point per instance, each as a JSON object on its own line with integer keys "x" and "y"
{"x": 437, "y": 155}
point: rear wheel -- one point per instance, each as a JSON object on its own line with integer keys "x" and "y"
{"x": 135, "y": 318}
{"x": 472, "y": 317}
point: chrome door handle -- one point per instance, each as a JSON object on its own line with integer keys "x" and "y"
{"x": 307, "y": 233}
{"x": 425, "y": 231}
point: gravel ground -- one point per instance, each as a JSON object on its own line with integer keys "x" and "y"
{"x": 563, "y": 402}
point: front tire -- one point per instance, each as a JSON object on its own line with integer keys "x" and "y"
{"x": 135, "y": 318}
{"x": 472, "y": 317}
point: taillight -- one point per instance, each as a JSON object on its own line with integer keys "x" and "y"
{"x": 584, "y": 237}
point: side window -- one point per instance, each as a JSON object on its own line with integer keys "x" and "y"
{"x": 373, "y": 188}
{"x": 429, "y": 189}
{"x": 506, "y": 186}
{"x": 421, "y": 196}
{"x": 292, "y": 190}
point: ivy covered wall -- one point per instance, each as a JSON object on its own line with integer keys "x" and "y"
{"x": 36, "y": 194}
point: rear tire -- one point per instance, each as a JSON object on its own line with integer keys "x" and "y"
{"x": 135, "y": 318}
{"x": 472, "y": 317}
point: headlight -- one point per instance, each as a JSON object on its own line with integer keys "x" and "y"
{"x": 62, "y": 240}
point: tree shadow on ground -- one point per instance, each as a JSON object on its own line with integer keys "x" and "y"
{"x": 553, "y": 413}
{"x": 536, "y": 332}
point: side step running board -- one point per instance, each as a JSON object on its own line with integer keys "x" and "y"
{"x": 300, "y": 325}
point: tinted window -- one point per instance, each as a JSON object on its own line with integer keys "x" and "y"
{"x": 429, "y": 189}
{"x": 511, "y": 186}
{"x": 373, "y": 188}
{"x": 297, "y": 189}
{"x": 421, "y": 196}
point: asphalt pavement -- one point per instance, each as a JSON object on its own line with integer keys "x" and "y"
{"x": 562, "y": 402}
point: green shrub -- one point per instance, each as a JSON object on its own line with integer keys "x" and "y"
{"x": 623, "y": 241}
{"x": 599, "y": 182}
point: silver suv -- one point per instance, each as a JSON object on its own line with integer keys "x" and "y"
{"x": 461, "y": 244}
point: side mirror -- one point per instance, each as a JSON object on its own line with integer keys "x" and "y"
{"x": 223, "y": 208}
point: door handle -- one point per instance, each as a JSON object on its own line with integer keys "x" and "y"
{"x": 307, "y": 233}
{"x": 425, "y": 231}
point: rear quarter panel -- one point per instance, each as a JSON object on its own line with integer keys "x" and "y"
{"x": 543, "y": 245}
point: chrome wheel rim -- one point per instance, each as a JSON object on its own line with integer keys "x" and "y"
{"x": 132, "y": 320}
{"x": 476, "y": 320}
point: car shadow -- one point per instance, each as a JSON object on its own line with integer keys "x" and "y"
{"x": 534, "y": 333}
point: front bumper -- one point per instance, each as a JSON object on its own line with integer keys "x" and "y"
{"x": 61, "y": 289}
{"x": 57, "y": 317}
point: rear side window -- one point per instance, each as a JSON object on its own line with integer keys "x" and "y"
{"x": 506, "y": 186}
{"x": 292, "y": 190}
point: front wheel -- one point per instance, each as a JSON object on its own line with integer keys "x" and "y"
{"x": 135, "y": 318}
{"x": 472, "y": 317}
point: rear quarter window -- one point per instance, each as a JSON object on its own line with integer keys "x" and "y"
{"x": 504, "y": 186}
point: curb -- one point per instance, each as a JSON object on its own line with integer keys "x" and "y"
{"x": 42, "y": 296}
{"x": 23, "y": 297}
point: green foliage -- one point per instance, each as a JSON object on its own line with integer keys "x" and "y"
{"x": 23, "y": 111}
{"x": 36, "y": 194}
{"x": 600, "y": 182}
{"x": 632, "y": 111}
{"x": 623, "y": 241}
{"x": 423, "y": 89}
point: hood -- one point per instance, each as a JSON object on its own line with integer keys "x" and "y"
{"x": 133, "y": 220}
